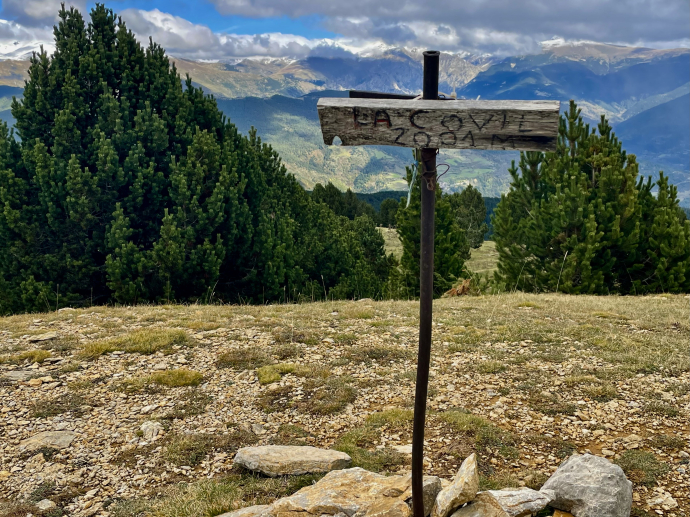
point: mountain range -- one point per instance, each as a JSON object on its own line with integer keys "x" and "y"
{"x": 643, "y": 92}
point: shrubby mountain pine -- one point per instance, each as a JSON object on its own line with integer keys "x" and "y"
{"x": 388, "y": 213}
{"x": 127, "y": 185}
{"x": 470, "y": 214}
{"x": 580, "y": 221}
{"x": 451, "y": 248}
{"x": 342, "y": 203}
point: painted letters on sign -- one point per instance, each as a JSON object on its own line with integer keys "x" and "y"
{"x": 500, "y": 125}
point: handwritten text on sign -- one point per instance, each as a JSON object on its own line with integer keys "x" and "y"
{"x": 499, "y": 125}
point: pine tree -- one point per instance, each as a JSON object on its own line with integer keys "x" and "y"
{"x": 451, "y": 248}
{"x": 665, "y": 243}
{"x": 470, "y": 213}
{"x": 574, "y": 220}
{"x": 387, "y": 213}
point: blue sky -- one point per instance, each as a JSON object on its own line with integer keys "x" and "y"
{"x": 233, "y": 29}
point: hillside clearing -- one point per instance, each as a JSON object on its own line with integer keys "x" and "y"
{"x": 482, "y": 260}
{"x": 523, "y": 380}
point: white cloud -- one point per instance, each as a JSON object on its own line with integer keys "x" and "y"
{"x": 479, "y": 27}
{"x": 37, "y": 13}
{"x": 185, "y": 39}
{"x": 17, "y": 41}
{"x": 506, "y": 22}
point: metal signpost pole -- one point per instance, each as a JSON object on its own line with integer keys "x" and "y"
{"x": 426, "y": 292}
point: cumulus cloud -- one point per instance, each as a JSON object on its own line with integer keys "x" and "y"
{"x": 479, "y": 27}
{"x": 524, "y": 23}
{"x": 185, "y": 39}
{"x": 37, "y": 13}
{"x": 18, "y": 42}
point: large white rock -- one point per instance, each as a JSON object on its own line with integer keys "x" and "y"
{"x": 249, "y": 511}
{"x": 462, "y": 490}
{"x": 519, "y": 502}
{"x": 590, "y": 486}
{"x": 482, "y": 506}
{"x": 53, "y": 439}
{"x": 509, "y": 502}
{"x": 281, "y": 460}
{"x": 151, "y": 429}
{"x": 354, "y": 491}
{"x": 45, "y": 504}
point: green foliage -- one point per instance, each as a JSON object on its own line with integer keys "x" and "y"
{"x": 388, "y": 213}
{"x": 470, "y": 213}
{"x": 579, "y": 220}
{"x": 127, "y": 186}
{"x": 451, "y": 248}
{"x": 345, "y": 204}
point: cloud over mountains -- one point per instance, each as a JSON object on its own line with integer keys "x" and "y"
{"x": 498, "y": 27}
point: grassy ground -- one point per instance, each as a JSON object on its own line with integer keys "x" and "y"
{"x": 483, "y": 260}
{"x": 522, "y": 380}
{"x": 392, "y": 241}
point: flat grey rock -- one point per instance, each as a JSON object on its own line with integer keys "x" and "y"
{"x": 431, "y": 487}
{"x": 18, "y": 375}
{"x": 520, "y": 502}
{"x": 350, "y": 492}
{"x": 249, "y": 511}
{"x": 281, "y": 460}
{"x": 590, "y": 486}
{"x": 53, "y": 439}
{"x": 45, "y": 504}
{"x": 43, "y": 337}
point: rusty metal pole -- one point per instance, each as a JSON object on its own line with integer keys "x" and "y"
{"x": 426, "y": 292}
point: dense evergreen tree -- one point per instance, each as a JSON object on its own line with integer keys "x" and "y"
{"x": 342, "y": 203}
{"x": 579, "y": 221}
{"x": 127, "y": 185}
{"x": 388, "y": 212}
{"x": 470, "y": 213}
{"x": 451, "y": 248}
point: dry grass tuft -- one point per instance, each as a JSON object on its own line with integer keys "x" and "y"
{"x": 32, "y": 356}
{"x": 242, "y": 359}
{"x": 657, "y": 407}
{"x": 176, "y": 378}
{"x": 601, "y": 392}
{"x": 487, "y": 367}
{"x": 484, "y": 433}
{"x": 144, "y": 341}
{"x": 642, "y": 468}
{"x": 190, "y": 449}
{"x": 215, "y": 496}
{"x": 327, "y": 396}
{"x": 69, "y": 402}
{"x": 667, "y": 441}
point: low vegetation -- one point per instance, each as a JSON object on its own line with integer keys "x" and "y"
{"x": 144, "y": 341}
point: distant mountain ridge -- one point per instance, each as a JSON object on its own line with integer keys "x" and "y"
{"x": 636, "y": 88}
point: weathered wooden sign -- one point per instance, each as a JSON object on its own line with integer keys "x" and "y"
{"x": 449, "y": 124}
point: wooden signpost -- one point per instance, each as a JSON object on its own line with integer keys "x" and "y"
{"x": 429, "y": 123}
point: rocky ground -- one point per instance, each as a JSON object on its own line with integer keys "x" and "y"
{"x": 146, "y": 406}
